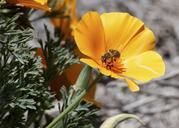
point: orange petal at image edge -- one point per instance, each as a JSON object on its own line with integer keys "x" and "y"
{"x": 30, "y": 4}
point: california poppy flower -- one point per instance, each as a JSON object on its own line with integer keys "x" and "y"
{"x": 120, "y": 46}
{"x": 37, "y": 4}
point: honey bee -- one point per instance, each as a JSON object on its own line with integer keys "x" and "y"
{"x": 114, "y": 53}
{"x": 110, "y": 56}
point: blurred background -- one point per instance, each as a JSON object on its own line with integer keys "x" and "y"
{"x": 158, "y": 101}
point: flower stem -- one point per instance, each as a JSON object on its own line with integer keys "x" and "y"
{"x": 98, "y": 77}
{"x": 82, "y": 85}
{"x": 68, "y": 109}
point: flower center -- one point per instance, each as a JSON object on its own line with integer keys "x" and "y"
{"x": 111, "y": 61}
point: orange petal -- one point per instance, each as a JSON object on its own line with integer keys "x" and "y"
{"x": 132, "y": 85}
{"x": 66, "y": 24}
{"x": 107, "y": 72}
{"x": 103, "y": 70}
{"x": 90, "y": 62}
{"x": 143, "y": 41}
{"x": 119, "y": 28}
{"x": 37, "y": 4}
{"x": 89, "y": 35}
{"x": 145, "y": 66}
{"x": 41, "y": 1}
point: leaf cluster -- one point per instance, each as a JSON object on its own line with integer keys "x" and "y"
{"x": 57, "y": 56}
{"x": 23, "y": 96}
{"x": 24, "y": 83}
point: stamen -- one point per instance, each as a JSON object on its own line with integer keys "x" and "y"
{"x": 111, "y": 61}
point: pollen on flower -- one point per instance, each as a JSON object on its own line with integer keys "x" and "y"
{"x": 111, "y": 61}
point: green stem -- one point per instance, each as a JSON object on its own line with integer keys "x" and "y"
{"x": 68, "y": 109}
{"x": 98, "y": 77}
{"x": 81, "y": 84}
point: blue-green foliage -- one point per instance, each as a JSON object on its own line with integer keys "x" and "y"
{"x": 23, "y": 94}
